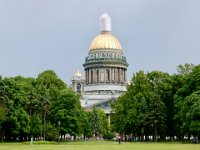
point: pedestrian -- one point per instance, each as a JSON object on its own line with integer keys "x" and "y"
{"x": 31, "y": 143}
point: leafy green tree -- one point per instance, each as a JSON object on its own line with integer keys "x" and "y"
{"x": 185, "y": 69}
{"x": 47, "y": 83}
{"x": 186, "y": 95}
{"x": 49, "y": 78}
{"x": 86, "y": 124}
{"x": 95, "y": 123}
{"x": 190, "y": 114}
{"x": 35, "y": 125}
{"x": 99, "y": 123}
{"x": 131, "y": 108}
{"x": 67, "y": 109}
{"x": 52, "y": 134}
{"x": 142, "y": 109}
{"x": 162, "y": 84}
{"x": 14, "y": 101}
{"x": 157, "y": 114}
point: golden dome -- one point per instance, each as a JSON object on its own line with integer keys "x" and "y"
{"x": 105, "y": 41}
{"x": 78, "y": 73}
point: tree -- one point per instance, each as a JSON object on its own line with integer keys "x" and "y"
{"x": 67, "y": 109}
{"x": 86, "y": 124}
{"x": 99, "y": 123}
{"x": 184, "y": 99}
{"x": 185, "y": 69}
{"x": 13, "y": 101}
{"x": 190, "y": 114}
{"x": 131, "y": 109}
{"x": 157, "y": 114}
{"x": 142, "y": 109}
{"x": 162, "y": 84}
{"x": 45, "y": 82}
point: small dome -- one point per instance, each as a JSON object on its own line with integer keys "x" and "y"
{"x": 78, "y": 73}
{"x": 105, "y": 41}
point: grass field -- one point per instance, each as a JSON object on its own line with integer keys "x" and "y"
{"x": 100, "y": 145}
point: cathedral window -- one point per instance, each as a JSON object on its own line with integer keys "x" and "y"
{"x": 78, "y": 88}
{"x": 92, "y": 79}
{"x": 107, "y": 75}
{"x": 97, "y": 76}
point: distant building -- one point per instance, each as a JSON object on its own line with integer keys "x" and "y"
{"x": 105, "y": 70}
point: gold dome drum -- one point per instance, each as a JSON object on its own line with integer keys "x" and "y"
{"x": 105, "y": 41}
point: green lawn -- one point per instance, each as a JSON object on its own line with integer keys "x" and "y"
{"x": 100, "y": 145}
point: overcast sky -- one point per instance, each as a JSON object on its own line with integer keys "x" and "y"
{"x": 36, "y": 35}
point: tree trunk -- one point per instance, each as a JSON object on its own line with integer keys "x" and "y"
{"x": 125, "y": 137}
{"x": 45, "y": 124}
{"x": 155, "y": 132}
{"x": 2, "y": 134}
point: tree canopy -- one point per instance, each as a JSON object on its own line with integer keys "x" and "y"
{"x": 156, "y": 104}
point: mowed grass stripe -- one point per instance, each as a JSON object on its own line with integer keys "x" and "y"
{"x": 100, "y": 146}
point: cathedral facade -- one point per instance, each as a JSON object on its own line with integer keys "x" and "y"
{"x": 105, "y": 69}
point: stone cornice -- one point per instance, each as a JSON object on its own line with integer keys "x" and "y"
{"x": 113, "y": 62}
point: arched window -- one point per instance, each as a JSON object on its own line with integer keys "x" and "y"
{"x": 78, "y": 88}
{"x": 107, "y": 75}
{"x": 97, "y": 76}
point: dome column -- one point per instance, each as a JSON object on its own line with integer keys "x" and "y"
{"x": 110, "y": 73}
{"x": 123, "y": 75}
{"x": 119, "y": 75}
{"x": 85, "y": 76}
{"x": 89, "y": 76}
{"x": 93, "y": 76}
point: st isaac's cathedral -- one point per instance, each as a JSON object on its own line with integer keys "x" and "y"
{"x": 105, "y": 69}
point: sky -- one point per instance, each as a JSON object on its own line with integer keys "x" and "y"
{"x": 37, "y": 35}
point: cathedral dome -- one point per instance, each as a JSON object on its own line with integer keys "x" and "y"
{"x": 105, "y": 41}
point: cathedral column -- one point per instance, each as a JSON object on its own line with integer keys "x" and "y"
{"x": 119, "y": 74}
{"x": 110, "y": 77}
{"x": 114, "y": 73}
{"x": 102, "y": 75}
{"x": 116, "y": 76}
{"x": 99, "y": 75}
{"x": 125, "y": 75}
{"x": 89, "y": 75}
{"x": 86, "y": 76}
{"x": 104, "y": 81}
{"x": 105, "y": 75}
{"x": 94, "y": 75}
